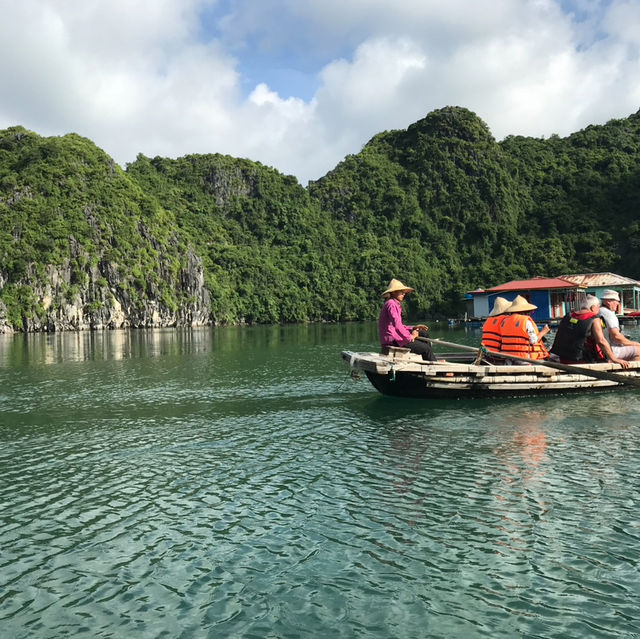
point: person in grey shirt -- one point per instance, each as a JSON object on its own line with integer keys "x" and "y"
{"x": 622, "y": 347}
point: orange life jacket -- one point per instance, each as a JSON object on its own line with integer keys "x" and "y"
{"x": 515, "y": 339}
{"x": 491, "y": 333}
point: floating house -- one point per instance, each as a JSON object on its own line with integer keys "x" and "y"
{"x": 556, "y": 296}
{"x": 595, "y": 283}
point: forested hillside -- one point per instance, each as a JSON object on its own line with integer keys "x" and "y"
{"x": 270, "y": 253}
{"x": 214, "y": 239}
{"x": 454, "y": 210}
{"x": 82, "y": 245}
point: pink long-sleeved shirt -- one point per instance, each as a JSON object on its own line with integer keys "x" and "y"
{"x": 390, "y": 327}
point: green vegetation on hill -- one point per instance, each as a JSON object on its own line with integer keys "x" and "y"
{"x": 451, "y": 210}
{"x": 73, "y": 223}
{"x": 211, "y": 238}
{"x": 270, "y": 253}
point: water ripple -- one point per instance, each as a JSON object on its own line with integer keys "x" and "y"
{"x": 152, "y": 498}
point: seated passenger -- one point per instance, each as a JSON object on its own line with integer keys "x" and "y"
{"x": 491, "y": 332}
{"x": 622, "y": 347}
{"x": 580, "y": 338}
{"x": 390, "y": 327}
{"x": 520, "y": 335}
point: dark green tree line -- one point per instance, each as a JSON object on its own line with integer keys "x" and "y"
{"x": 442, "y": 205}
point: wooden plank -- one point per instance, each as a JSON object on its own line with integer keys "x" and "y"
{"x": 472, "y": 376}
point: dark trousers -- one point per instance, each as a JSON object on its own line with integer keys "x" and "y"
{"x": 422, "y": 348}
{"x": 418, "y": 347}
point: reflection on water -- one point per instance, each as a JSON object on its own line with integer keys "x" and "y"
{"x": 526, "y": 449}
{"x": 50, "y": 348}
{"x": 236, "y": 482}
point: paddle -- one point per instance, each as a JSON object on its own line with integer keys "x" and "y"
{"x": 570, "y": 368}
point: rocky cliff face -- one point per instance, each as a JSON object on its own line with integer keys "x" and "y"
{"x": 82, "y": 246}
{"x": 5, "y": 326}
{"x": 106, "y": 300}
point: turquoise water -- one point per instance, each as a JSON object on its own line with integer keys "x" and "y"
{"x": 237, "y": 483}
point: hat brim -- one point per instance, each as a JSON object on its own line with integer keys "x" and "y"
{"x": 396, "y": 286}
{"x": 522, "y": 308}
{"x": 397, "y": 290}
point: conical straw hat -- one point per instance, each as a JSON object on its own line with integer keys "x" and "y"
{"x": 499, "y": 306}
{"x": 396, "y": 285}
{"x": 520, "y": 305}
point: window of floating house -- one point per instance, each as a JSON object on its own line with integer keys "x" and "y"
{"x": 574, "y": 299}
{"x": 558, "y": 300}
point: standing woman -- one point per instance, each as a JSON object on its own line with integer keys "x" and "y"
{"x": 390, "y": 327}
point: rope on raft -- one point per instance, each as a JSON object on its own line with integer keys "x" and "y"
{"x": 482, "y": 353}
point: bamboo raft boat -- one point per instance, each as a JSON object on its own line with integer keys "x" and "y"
{"x": 404, "y": 374}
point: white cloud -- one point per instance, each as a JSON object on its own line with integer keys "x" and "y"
{"x": 139, "y": 77}
{"x": 379, "y": 69}
{"x": 623, "y": 22}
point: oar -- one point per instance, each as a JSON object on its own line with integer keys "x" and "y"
{"x": 570, "y": 368}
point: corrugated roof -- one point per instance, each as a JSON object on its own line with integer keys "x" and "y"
{"x": 600, "y": 279}
{"x": 535, "y": 284}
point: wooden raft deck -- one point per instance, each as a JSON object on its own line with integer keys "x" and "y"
{"x": 406, "y": 374}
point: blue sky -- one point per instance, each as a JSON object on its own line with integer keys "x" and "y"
{"x": 299, "y": 84}
{"x": 288, "y": 67}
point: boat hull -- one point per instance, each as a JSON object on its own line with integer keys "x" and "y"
{"x": 414, "y": 386}
{"x": 404, "y": 374}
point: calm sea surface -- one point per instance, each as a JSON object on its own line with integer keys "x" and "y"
{"x": 236, "y": 482}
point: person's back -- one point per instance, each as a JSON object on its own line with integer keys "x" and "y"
{"x": 573, "y": 343}
{"x": 491, "y": 330}
{"x": 519, "y": 333}
{"x": 515, "y": 340}
{"x": 492, "y": 334}
{"x": 580, "y": 337}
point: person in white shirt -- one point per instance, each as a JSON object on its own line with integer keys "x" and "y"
{"x": 622, "y": 347}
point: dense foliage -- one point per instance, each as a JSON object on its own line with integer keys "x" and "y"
{"x": 67, "y": 208}
{"x": 270, "y": 253}
{"x": 449, "y": 209}
{"x": 441, "y": 205}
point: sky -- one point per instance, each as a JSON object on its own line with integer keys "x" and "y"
{"x": 300, "y": 84}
